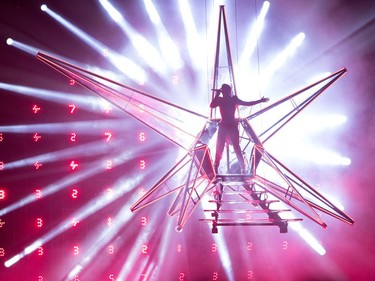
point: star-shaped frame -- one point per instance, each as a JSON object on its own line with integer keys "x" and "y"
{"x": 193, "y": 176}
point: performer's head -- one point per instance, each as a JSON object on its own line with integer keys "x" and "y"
{"x": 226, "y": 90}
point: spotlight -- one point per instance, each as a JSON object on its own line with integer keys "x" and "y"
{"x": 44, "y": 7}
{"x": 9, "y": 41}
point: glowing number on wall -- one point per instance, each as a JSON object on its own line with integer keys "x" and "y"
{"x": 144, "y": 249}
{"x": 72, "y": 108}
{"x": 76, "y": 278}
{"x": 36, "y": 108}
{"x": 179, "y": 248}
{"x": 142, "y": 164}
{"x": 109, "y": 221}
{"x": 108, "y": 165}
{"x": 73, "y": 137}
{"x": 285, "y": 245}
{"x": 38, "y": 193}
{"x": 2, "y": 252}
{"x": 215, "y": 276}
{"x": 142, "y": 136}
{"x": 143, "y": 221}
{"x": 40, "y": 278}
{"x": 73, "y": 165}
{"x": 250, "y": 275}
{"x": 111, "y": 277}
{"x": 249, "y": 246}
{"x": 181, "y": 277}
{"x": 37, "y": 165}
{"x": 75, "y": 250}
{"x": 40, "y": 251}
{"x": 74, "y": 193}
{"x": 2, "y": 194}
{"x": 108, "y": 136}
{"x": 2, "y": 165}
{"x": 39, "y": 222}
{"x": 111, "y": 249}
{"x": 37, "y": 137}
{"x": 1, "y": 137}
{"x": 214, "y": 248}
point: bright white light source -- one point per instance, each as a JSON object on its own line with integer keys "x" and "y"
{"x": 254, "y": 33}
{"x": 282, "y": 57}
{"x": 345, "y": 161}
{"x": 193, "y": 39}
{"x": 75, "y": 271}
{"x": 167, "y": 45}
{"x": 33, "y": 247}
{"x": 152, "y": 12}
{"x": 318, "y": 77}
{"x": 309, "y": 238}
{"x": 9, "y": 41}
{"x": 111, "y": 10}
{"x": 44, "y": 7}
{"x": 12, "y": 261}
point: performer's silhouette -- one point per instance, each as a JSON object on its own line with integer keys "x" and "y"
{"x": 228, "y": 126}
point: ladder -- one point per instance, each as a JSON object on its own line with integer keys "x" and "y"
{"x": 237, "y": 202}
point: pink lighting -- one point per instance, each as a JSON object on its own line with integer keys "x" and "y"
{"x": 74, "y": 163}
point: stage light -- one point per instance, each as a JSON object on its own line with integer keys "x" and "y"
{"x": 61, "y": 183}
{"x": 84, "y": 127}
{"x": 88, "y": 103}
{"x": 331, "y": 158}
{"x": 193, "y": 39}
{"x": 13, "y": 260}
{"x": 152, "y": 12}
{"x": 281, "y": 58}
{"x": 167, "y": 46}
{"x": 9, "y": 41}
{"x": 309, "y": 238}
{"x": 252, "y": 38}
{"x": 85, "y": 211}
{"x": 145, "y": 49}
{"x": 23, "y": 47}
{"x": 127, "y": 66}
{"x": 44, "y": 7}
{"x": 105, "y": 236}
{"x": 112, "y": 11}
{"x": 74, "y": 272}
{"x": 246, "y": 85}
{"x": 222, "y": 248}
{"x": 33, "y": 247}
{"x": 318, "y": 77}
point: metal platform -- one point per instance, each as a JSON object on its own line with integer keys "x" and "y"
{"x": 238, "y": 203}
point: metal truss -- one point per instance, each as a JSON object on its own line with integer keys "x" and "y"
{"x": 256, "y": 196}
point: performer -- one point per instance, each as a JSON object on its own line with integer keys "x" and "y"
{"x": 228, "y": 126}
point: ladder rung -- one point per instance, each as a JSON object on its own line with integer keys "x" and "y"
{"x": 243, "y": 202}
{"x": 247, "y": 211}
{"x": 243, "y": 192}
{"x": 235, "y": 182}
{"x": 222, "y": 222}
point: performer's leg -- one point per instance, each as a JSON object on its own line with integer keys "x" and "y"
{"x": 235, "y": 137}
{"x": 220, "y": 142}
